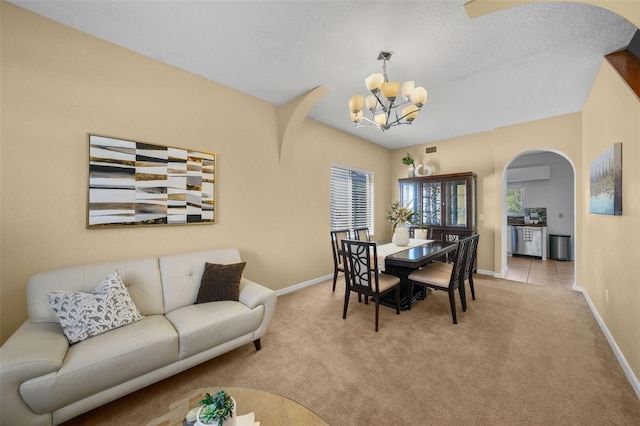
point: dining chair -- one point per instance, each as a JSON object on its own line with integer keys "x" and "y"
{"x": 336, "y": 248}
{"x": 361, "y": 234}
{"x": 437, "y": 279}
{"x": 429, "y": 232}
{"x": 468, "y": 267}
{"x": 362, "y": 276}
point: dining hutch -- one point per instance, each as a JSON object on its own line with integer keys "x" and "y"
{"x": 446, "y": 204}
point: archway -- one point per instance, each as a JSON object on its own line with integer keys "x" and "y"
{"x": 548, "y": 180}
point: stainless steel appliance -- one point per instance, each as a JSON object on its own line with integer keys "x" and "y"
{"x": 527, "y": 240}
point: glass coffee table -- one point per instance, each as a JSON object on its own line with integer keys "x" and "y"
{"x": 270, "y": 409}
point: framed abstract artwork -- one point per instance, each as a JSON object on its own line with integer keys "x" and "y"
{"x": 135, "y": 183}
{"x": 605, "y": 182}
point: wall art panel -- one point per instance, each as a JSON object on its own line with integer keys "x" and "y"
{"x": 137, "y": 183}
{"x": 605, "y": 190}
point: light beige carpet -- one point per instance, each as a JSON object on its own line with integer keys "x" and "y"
{"x": 522, "y": 354}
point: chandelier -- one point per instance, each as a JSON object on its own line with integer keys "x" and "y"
{"x": 382, "y": 102}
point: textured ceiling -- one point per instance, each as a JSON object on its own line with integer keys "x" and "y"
{"x": 521, "y": 64}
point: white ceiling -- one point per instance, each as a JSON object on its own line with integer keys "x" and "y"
{"x": 521, "y": 64}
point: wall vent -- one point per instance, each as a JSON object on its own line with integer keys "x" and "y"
{"x": 431, "y": 149}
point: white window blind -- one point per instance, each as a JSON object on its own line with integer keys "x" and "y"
{"x": 351, "y": 198}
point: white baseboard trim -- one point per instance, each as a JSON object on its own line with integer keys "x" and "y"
{"x": 616, "y": 350}
{"x": 485, "y": 272}
{"x": 304, "y": 284}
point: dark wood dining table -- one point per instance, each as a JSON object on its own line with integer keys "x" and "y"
{"x": 401, "y": 263}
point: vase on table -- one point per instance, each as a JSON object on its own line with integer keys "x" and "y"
{"x": 400, "y": 235}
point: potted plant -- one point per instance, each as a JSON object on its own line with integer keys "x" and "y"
{"x": 399, "y": 216}
{"x": 408, "y": 160}
{"x": 218, "y": 410}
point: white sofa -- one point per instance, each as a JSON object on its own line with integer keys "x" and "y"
{"x": 45, "y": 380}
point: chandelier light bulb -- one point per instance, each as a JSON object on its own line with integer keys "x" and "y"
{"x": 374, "y": 82}
{"x": 371, "y": 103}
{"x": 381, "y": 119}
{"x": 355, "y": 103}
{"x": 407, "y": 88}
{"x": 410, "y": 113}
{"x": 390, "y": 89}
{"x": 419, "y": 96}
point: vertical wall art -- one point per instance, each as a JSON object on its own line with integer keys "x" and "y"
{"x": 136, "y": 183}
{"x": 606, "y": 182}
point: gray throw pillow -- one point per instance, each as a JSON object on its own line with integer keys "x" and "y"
{"x": 83, "y": 315}
{"x": 220, "y": 282}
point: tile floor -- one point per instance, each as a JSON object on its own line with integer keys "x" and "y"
{"x": 535, "y": 271}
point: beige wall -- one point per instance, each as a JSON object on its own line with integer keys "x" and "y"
{"x": 59, "y": 84}
{"x": 611, "y": 244}
{"x": 488, "y": 154}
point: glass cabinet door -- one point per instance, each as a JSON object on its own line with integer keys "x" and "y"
{"x": 409, "y": 195}
{"x": 432, "y": 203}
{"x": 445, "y": 204}
{"x": 456, "y": 201}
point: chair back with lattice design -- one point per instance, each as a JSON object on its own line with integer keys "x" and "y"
{"x": 361, "y": 266}
{"x": 457, "y": 273}
{"x": 471, "y": 255}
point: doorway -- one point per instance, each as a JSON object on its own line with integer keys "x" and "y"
{"x": 545, "y": 179}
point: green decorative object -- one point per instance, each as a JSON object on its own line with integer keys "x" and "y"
{"x": 217, "y": 410}
{"x": 408, "y": 160}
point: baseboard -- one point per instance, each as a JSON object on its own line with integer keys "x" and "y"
{"x": 303, "y": 285}
{"x": 616, "y": 350}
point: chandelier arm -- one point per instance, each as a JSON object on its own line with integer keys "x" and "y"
{"x": 384, "y": 108}
{"x": 368, "y": 120}
{"x": 397, "y": 122}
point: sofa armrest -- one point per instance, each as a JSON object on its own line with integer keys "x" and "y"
{"x": 254, "y": 295}
{"x": 33, "y": 350}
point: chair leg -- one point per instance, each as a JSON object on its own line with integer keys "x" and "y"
{"x": 335, "y": 279}
{"x": 347, "y": 293}
{"x": 473, "y": 291}
{"x": 463, "y": 296}
{"x": 377, "y": 312}
{"x": 452, "y": 302}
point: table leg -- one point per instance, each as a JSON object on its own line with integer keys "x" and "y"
{"x": 406, "y": 300}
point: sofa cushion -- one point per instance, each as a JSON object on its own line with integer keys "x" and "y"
{"x": 83, "y": 315}
{"x": 141, "y": 276}
{"x": 104, "y": 361}
{"x": 220, "y": 282}
{"x": 207, "y": 325}
{"x": 182, "y": 273}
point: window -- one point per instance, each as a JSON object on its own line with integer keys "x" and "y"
{"x": 515, "y": 201}
{"x": 351, "y": 198}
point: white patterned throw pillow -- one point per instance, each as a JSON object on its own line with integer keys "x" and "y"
{"x": 83, "y": 315}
